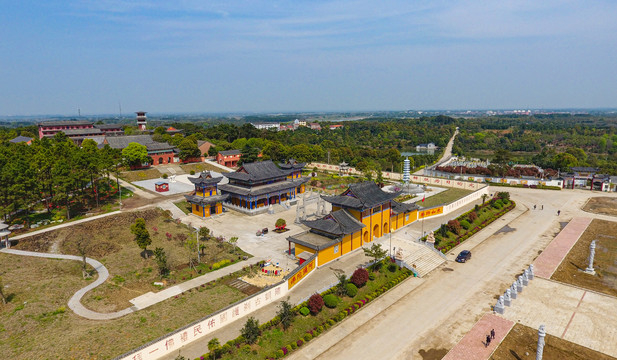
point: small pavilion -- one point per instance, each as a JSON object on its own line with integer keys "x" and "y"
{"x": 206, "y": 201}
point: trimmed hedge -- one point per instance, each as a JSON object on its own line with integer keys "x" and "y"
{"x": 331, "y": 300}
{"x": 351, "y": 290}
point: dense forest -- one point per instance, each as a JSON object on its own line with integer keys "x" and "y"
{"x": 58, "y": 172}
{"x": 557, "y": 142}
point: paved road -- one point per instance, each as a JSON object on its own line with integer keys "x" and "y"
{"x": 447, "y": 154}
{"x": 437, "y": 313}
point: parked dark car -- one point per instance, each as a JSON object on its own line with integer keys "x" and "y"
{"x": 463, "y": 256}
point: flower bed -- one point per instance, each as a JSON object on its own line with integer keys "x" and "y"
{"x": 445, "y": 241}
{"x": 273, "y": 343}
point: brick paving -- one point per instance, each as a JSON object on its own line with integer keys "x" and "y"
{"x": 546, "y": 264}
{"x": 471, "y": 346}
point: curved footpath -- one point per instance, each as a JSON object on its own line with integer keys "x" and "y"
{"x": 75, "y": 301}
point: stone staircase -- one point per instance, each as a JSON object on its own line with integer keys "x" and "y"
{"x": 421, "y": 258}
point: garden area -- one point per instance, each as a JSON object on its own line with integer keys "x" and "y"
{"x": 329, "y": 182}
{"x": 571, "y": 269}
{"x": 166, "y": 253}
{"x": 36, "y": 322}
{"x": 460, "y": 229}
{"x": 295, "y": 326}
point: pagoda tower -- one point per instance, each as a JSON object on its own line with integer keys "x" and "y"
{"x": 141, "y": 120}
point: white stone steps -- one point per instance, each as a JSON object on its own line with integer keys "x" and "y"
{"x": 424, "y": 259}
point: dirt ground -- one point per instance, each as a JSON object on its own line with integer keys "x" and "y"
{"x": 605, "y": 262}
{"x": 602, "y": 205}
{"x": 521, "y": 344}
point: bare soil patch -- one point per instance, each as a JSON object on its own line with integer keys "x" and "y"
{"x": 521, "y": 344}
{"x": 605, "y": 261}
{"x": 138, "y": 175}
{"x": 602, "y": 205}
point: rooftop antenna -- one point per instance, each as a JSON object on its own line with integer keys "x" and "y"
{"x": 78, "y": 111}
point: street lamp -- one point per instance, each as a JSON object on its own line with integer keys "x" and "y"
{"x": 197, "y": 237}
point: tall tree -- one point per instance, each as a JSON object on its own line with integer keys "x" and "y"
{"x": 142, "y": 236}
{"x": 135, "y": 154}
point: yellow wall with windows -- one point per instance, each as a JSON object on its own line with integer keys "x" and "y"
{"x": 326, "y": 255}
{"x": 197, "y": 210}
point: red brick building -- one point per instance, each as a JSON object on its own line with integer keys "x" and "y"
{"x": 228, "y": 158}
{"x": 161, "y": 153}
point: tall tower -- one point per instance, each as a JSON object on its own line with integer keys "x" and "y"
{"x": 141, "y": 120}
{"x": 406, "y": 165}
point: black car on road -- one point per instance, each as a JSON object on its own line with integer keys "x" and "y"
{"x": 463, "y": 256}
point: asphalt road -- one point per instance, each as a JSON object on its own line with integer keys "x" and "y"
{"x": 437, "y": 313}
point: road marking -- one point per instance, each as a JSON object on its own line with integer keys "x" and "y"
{"x": 574, "y": 313}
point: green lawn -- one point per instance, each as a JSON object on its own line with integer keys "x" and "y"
{"x": 444, "y": 197}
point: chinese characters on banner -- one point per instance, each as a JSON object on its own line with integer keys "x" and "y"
{"x": 430, "y": 212}
{"x": 301, "y": 274}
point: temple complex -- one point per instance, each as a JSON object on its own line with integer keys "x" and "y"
{"x": 360, "y": 214}
{"x": 206, "y": 200}
{"x": 255, "y": 186}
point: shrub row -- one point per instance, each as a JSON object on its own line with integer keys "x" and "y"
{"x": 444, "y": 249}
{"x": 239, "y": 343}
{"x": 316, "y": 331}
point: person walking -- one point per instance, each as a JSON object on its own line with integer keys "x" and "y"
{"x": 558, "y": 212}
{"x": 492, "y": 333}
{"x": 534, "y": 206}
{"x": 488, "y": 340}
{"x": 542, "y": 207}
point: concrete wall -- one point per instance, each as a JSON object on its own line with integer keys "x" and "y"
{"x": 171, "y": 342}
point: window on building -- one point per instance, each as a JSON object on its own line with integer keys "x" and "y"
{"x": 336, "y": 249}
{"x": 406, "y": 217}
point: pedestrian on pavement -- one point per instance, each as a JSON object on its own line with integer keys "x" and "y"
{"x": 542, "y": 207}
{"x": 488, "y": 340}
{"x": 558, "y": 212}
{"x": 534, "y": 206}
{"x": 492, "y": 333}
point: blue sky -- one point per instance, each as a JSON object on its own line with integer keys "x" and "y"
{"x": 270, "y": 56}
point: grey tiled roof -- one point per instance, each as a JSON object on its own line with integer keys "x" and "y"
{"x": 337, "y": 223}
{"x": 120, "y": 142}
{"x": 205, "y": 178}
{"x": 65, "y": 123}
{"x": 313, "y": 241}
{"x": 78, "y": 132}
{"x": 400, "y": 208}
{"x": 363, "y": 195}
{"x": 257, "y": 172}
{"x": 208, "y": 200}
{"x": 20, "y": 139}
{"x": 292, "y": 164}
{"x": 230, "y": 152}
{"x": 262, "y": 189}
{"x": 108, "y": 126}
